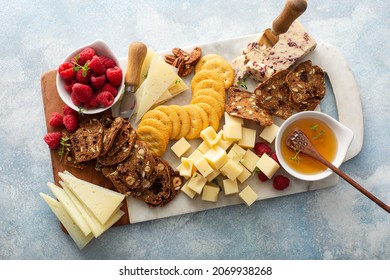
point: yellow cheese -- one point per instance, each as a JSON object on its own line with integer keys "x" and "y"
{"x": 248, "y": 195}
{"x": 197, "y": 182}
{"x": 195, "y": 155}
{"x": 248, "y": 139}
{"x": 236, "y": 153}
{"x": 267, "y": 165}
{"x": 210, "y": 193}
{"x": 232, "y": 131}
{"x": 230, "y": 186}
{"x": 209, "y": 136}
{"x": 249, "y": 160}
{"x": 244, "y": 175}
{"x": 189, "y": 192}
{"x": 231, "y": 169}
{"x": 213, "y": 175}
{"x": 74, "y": 231}
{"x": 100, "y": 201}
{"x": 146, "y": 64}
{"x": 177, "y": 87}
{"x": 223, "y": 142}
{"x": 232, "y": 119}
{"x": 269, "y": 133}
{"x": 186, "y": 167}
{"x": 181, "y": 147}
{"x": 203, "y": 167}
{"x": 203, "y": 147}
{"x": 163, "y": 98}
{"x": 216, "y": 156}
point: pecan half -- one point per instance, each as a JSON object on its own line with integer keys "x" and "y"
{"x": 183, "y": 60}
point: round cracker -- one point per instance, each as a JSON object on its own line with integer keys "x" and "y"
{"x": 185, "y": 121}
{"x": 204, "y": 75}
{"x": 154, "y": 139}
{"x": 222, "y": 67}
{"x": 173, "y": 115}
{"x": 202, "y": 61}
{"x": 161, "y": 116}
{"x": 214, "y": 103}
{"x": 203, "y": 115}
{"x": 196, "y": 124}
{"x": 156, "y": 124}
{"x": 210, "y": 92}
{"x": 213, "y": 84}
{"x": 212, "y": 115}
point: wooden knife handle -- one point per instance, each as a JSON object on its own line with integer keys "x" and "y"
{"x": 135, "y": 58}
{"x": 291, "y": 11}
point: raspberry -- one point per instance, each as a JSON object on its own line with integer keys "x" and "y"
{"x": 262, "y": 177}
{"x": 96, "y": 65}
{"x": 114, "y": 76}
{"x": 75, "y": 100}
{"x": 98, "y": 82}
{"x": 105, "y": 98}
{"x": 53, "y": 139}
{"x": 92, "y": 103}
{"x": 85, "y": 55}
{"x": 83, "y": 78}
{"x": 56, "y": 119}
{"x": 110, "y": 88}
{"x": 71, "y": 123}
{"x": 65, "y": 70}
{"x": 82, "y": 92}
{"x": 68, "y": 111}
{"x": 261, "y": 148}
{"x": 281, "y": 182}
{"x": 108, "y": 62}
{"x": 274, "y": 157}
{"x": 69, "y": 84}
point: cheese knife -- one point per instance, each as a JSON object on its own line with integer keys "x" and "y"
{"x": 291, "y": 11}
{"x": 136, "y": 56}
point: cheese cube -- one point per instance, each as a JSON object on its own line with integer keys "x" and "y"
{"x": 269, "y": 133}
{"x": 232, "y": 119}
{"x": 197, "y": 182}
{"x": 210, "y": 193}
{"x": 248, "y": 195}
{"x": 230, "y": 186}
{"x": 203, "y": 147}
{"x": 249, "y": 160}
{"x": 186, "y": 167}
{"x": 209, "y": 136}
{"x": 244, "y": 175}
{"x": 231, "y": 169}
{"x": 180, "y": 147}
{"x": 196, "y": 154}
{"x": 223, "y": 142}
{"x": 189, "y": 192}
{"x": 236, "y": 153}
{"x": 213, "y": 175}
{"x": 216, "y": 157}
{"x": 248, "y": 138}
{"x": 232, "y": 131}
{"x": 203, "y": 167}
{"x": 267, "y": 165}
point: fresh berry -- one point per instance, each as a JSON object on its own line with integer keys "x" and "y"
{"x": 68, "y": 110}
{"x": 69, "y": 84}
{"x": 281, "y": 182}
{"x": 105, "y": 98}
{"x": 85, "y": 55}
{"x": 96, "y": 65}
{"x": 92, "y": 103}
{"x": 110, "y": 88}
{"x": 65, "y": 70}
{"x": 114, "y": 76}
{"x": 261, "y": 148}
{"x": 82, "y": 92}
{"x": 75, "y": 100}
{"x": 97, "y": 81}
{"x": 83, "y": 77}
{"x": 108, "y": 62}
{"x": 56, "y": 119}
{"x": 274, "y": 157}
{"x": 262, "y": 177}
{"x": 71, "y": 123}
{"x": 53, "y": 139}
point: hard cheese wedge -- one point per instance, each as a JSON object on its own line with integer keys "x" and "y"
{"x": 102, "y": 202}
{"x": 74, "y": 231}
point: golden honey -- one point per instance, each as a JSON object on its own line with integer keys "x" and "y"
{"x": 321, "y": 137}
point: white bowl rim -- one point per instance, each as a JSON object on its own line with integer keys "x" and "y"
{"x": 65, "y": 96}
{"x": 343, "y": 134}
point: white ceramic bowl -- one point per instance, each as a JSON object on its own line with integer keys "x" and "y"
{"x": 101, "y": 48}
{"x": 342, "y": 133}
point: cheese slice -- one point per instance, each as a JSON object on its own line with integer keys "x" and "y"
{"x": 69, "y": 206}
{"x": 100, "y": 201}
{"x": 74, "y": 231}
{"x": 146, "y": 65}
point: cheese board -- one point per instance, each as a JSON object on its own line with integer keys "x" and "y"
{"x": 346, "y": 94}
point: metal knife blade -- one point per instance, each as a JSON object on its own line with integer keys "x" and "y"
{"x": 136, "y": 56}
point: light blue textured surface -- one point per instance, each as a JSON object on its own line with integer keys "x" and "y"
{"x": 334, "y": 223}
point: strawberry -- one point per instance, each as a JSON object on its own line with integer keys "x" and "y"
{"x": 114, "y": 76}
{"x": 53, "y": 139}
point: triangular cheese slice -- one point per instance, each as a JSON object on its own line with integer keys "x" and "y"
{"x": 100, "y": 201}
{"x": 178, "y": 86}
{"x": 146, "y": 65}
{"x": 75, "y": 233}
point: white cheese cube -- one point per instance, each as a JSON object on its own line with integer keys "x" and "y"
{"x": 236, "y": 153}
{"x": 213, "y": 175}
{"x": 186, "y": 167}
{"x": 216, "y": 157}
{"x": 180, "y": 147}
{"x": 231, "y": 169}
{"x": 223, "y": 142}
{"x": 210, "y": 193}
{"x": 249, "y": 160}
{"x": 248, "y": 195}
{"x": 203, "y": 167}
{"x": 203, "y": 147}
{"x": 248, "y": 139}
{"x": 197, "y": 182}
{"x": 269, "y": 133}
{"x": 195, "y": 155}
{"x": 232, "y": 119}
{"x": 232, "y": 131}
{"x": 230, "y": 186}
{"x": 189, "y": 192}
{"x": 267, "y": 165}
{"x": 244, "y": 175}
{"x": 209, "y": 136}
